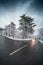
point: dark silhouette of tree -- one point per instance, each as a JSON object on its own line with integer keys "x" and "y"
{"x": 26, "y": 25}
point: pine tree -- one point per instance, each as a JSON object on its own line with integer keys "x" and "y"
{"x": 26, "y": 25}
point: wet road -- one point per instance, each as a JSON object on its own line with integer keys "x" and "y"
{"x": 24, "y": 52}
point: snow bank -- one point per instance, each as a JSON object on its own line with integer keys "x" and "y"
{"x": 18, "y": 39}
{"x": 40, "y": 41}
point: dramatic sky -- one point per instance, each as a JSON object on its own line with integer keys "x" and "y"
{"x": 10, "y": 10}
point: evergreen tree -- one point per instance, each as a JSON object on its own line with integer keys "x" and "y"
{"x": 26, "y": 25}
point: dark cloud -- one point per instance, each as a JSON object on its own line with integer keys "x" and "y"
{"x": 10, "y": 2}
{"x": 37, "y": 5}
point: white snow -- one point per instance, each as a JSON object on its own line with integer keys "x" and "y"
{"x": 40, "y": 40}
{"x": 18, "y": 39}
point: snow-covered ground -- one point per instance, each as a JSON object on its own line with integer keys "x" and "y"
{"x": 40, "y": 41}
{"x": 19, "y": 36}
{"x": 18, "y": 39}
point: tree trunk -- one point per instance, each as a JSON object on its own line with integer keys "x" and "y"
{"x": 24, "y": 34}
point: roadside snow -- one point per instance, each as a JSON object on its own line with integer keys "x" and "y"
{"x": 18, "y": 39}
{"x": 40, "y": 41}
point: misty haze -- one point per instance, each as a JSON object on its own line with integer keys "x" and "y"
{"x": 21, "y": 32}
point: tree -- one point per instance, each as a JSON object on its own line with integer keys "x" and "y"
{"x": 26, "y": 25}
{"x": 12, "y": 29}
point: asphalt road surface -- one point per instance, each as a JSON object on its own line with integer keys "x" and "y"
{"x": 20, "y": 53}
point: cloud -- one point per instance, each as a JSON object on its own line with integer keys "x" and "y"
{"x": 11, "y": 2}
{"x": 37, "y": 5}
{"x": 12, "y": 13}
